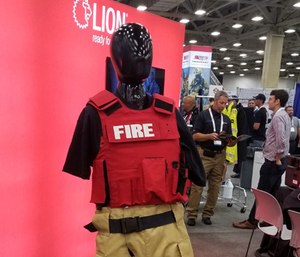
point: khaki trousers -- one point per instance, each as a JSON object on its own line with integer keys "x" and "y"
{"x": 170, "y": 240}
{"x": 214, "y": 168}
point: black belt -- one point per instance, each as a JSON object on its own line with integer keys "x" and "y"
{"x": 213, "y": 151}
{"x": 137, "y": 224}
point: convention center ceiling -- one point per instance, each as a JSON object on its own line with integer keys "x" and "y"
{"x": 236, "y": 29}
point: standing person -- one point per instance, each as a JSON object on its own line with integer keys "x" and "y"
{"x": 242, "y": 128}
{"x": 251, "y": 103}
{"x": 259, "y": 121}
{"x": 231, "y": 111}
{"x": 275, "y": 151}
{"x": 190, "y": 110}
{"x": 249, "y": 111}
{"x": 209, "y": 125}
{"x": 295, "y": 130}
{"x": 133, "y": 140}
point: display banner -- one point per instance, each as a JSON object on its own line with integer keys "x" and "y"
{"x": 53, "y": 58}
{"x": 296, "y": 104}
{"x": 196, "y": 66}
{"x": 214, "y": 89}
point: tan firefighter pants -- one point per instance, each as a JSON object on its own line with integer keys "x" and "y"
{"x": 169, "y": 240}
{"x": 214, "y": 168}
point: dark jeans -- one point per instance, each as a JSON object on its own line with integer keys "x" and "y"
{"x": 237, "y": 168}
{"x": 293, "y": 147}
{"x": 269, "y": 181}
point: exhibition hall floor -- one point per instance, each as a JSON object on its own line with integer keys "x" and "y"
{"x": 221, "y": 238}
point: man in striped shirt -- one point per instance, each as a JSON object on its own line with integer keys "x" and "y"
{"x": 275, "y": 151}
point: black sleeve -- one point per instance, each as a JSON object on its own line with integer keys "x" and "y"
{"x": 85, "y": 144}
{"x": 193, "y": 162}
{"x": 228, "y": 126}
{"x": 242, "y": 122}
{"x": 243, "y": 128}
{"x": 250, "y": 119}
{"x": 260, "y": 116}
{"x": 199, "y": 124}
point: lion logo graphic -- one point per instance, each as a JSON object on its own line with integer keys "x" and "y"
{"x": 82, "y": 13}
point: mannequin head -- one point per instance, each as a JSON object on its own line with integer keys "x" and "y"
{"x": 131, "y": 52}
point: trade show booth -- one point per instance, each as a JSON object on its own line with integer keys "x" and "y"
{"x": 53, "y": 57}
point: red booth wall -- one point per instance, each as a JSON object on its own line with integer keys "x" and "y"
{"x": 51, "y": 61}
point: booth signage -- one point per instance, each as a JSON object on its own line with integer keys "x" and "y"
{"x": 105, "y": 19}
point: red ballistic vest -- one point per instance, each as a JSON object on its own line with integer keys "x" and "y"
{"x": 139, "y": 153}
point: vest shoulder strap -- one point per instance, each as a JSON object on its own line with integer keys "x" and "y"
{"x": 105, "y": 101}
{"x": 109, "y": 103}
{"x": 163, "y": 104}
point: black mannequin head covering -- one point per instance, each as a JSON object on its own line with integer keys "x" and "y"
{"x": 131, "y": 52}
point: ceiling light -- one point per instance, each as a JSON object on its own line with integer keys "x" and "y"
{"x": 260, "y": 51}
{"x": 221, "y": 72}
{"x": 290, "y": 31}
{"x": 257, "y": 68}
{"x": 242, "y": 75}
{"x": 215, "y": 68}
{"x": 297, "y": 68}
{"x": 184, "y": 21}
{"x": 237, "y": 44}
{"x": 296, "y": 4}
{"x": 258, "y": 61}
{"x": 232, "y": 72}
{"x": 142, "y": 8}
{"x": 243, "y": 55}
{"x": 262, "y": 38}
{"x": 183, "y": 45}
{"x": 243, "y": 63}
{"x": 289, "y": 63}
{"x": 237, "y": 25}
{"x": 223, "y": 49}
{"x": 200, "y": 12}
{"x": 215, "y": 33}
{"x": 213, "y": 61}
{"x": 193, "y": 41}
{"x": 227, "y": 58}
{"x": 257, "y": 18}
{"x": 282, "y": 69}
{"x": 291, "y": 75}
{"x": 230, "y": 65}
{"x": 245, "y": 69}
{"x": 294, "y": 54}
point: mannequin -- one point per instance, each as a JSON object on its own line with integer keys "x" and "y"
{"x": 124, "y": 138}
{"x": 131, "y": 52}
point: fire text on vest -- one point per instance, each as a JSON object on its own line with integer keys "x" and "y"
{"x": 133, "y": 131}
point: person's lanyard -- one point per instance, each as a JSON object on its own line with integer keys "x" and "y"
{"x": 213, "y": 121}
{"x": 256, "y": 109}
{"x": 292, "y": 126}
{"x": 188, "y": 117}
